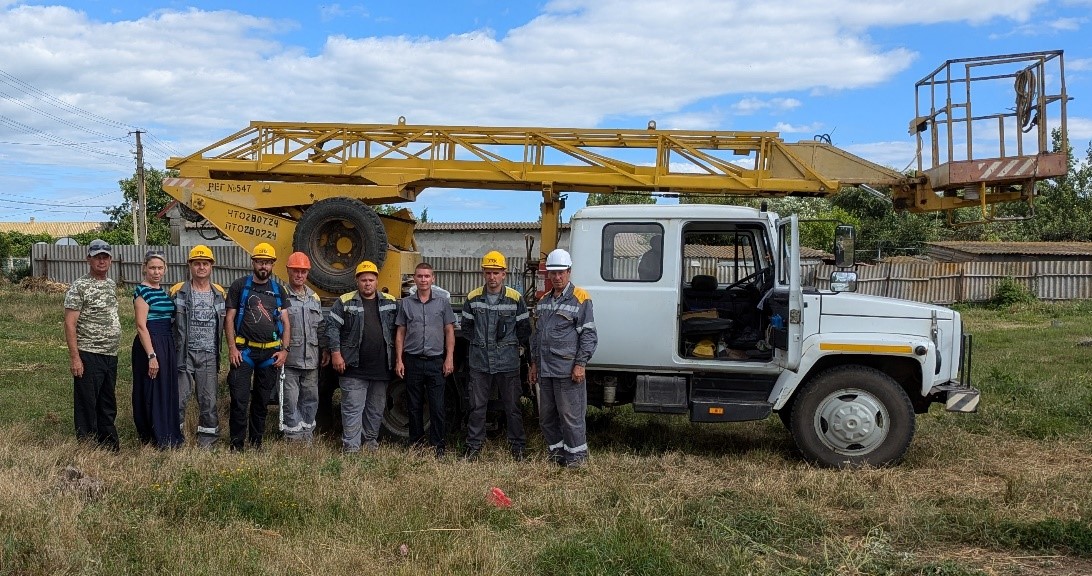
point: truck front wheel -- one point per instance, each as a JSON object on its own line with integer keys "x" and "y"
{"x": 852, "y": 416}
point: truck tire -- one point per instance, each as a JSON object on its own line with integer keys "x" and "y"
{"x": 395, "y": 423}
{"x": 852, "y": 416}
{"x": 338, "y": 234}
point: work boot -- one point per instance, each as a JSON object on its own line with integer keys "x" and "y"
{"x": 472, "y": 454}
{"x": 557, "y": 456}
{"x": 440, "y": 452}
{"x": 519, "y": 454}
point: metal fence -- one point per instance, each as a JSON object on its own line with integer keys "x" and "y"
{"x": 933, "y": 282}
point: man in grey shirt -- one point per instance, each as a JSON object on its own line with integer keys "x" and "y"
{"x": 424, "y": 348}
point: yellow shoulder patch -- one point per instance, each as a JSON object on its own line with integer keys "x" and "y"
{"x": 220, "y": 289}
{"x": 580, "y": 294}
{"x": 174, "y": 289}
{"x": 316, "y": 298}
{"x": 387, "y": 296}
{"x": 475, "y": 292}
{"x": 347, "y": 296}
{"x": 512, "y": 293}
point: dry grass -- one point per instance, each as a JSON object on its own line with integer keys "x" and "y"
{"x": 662, "y": 496}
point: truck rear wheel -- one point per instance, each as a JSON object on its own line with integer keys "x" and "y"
{"x": 338, "y": 234}
{"x": 395, "y": 423}
{"x": 853, "y": 416}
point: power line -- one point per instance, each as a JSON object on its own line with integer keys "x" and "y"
{"x": 52, "y": 204}
{"x": 57, "y": 102}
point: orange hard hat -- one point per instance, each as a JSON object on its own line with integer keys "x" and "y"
{"x": 299, "y": 260}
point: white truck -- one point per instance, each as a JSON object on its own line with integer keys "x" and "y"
{"x": 700, "y": 311}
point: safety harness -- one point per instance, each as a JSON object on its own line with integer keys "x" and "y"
{"x": 243, "y": 298}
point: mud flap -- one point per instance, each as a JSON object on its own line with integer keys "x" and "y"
{"x": 962, "y": 400}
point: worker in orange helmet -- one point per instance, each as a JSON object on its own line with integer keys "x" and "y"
{"x": 306, "y": 352}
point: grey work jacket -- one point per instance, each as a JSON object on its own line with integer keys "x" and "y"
{"x": 182, "y": 294}
{"x": 346, "y": 325}
{"x": 564, "y": 332}
{"x": 496, "y": 331}
{"x": 307, "y": 328}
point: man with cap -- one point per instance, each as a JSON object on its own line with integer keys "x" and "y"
{"x": 360, "y": 334}
{"x": 561, "y": 346}
{"x": 424, "y": 350}
{"x": 199, "y": 308}
{"x": 496, "y": 321}
{"x": 306, "y": 351}
{"x": 92, "y": 332}
{"x": 258, "y": 334}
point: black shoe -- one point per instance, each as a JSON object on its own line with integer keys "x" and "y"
{"x": 440, "y": 452}
{"x": 472, "y": 454}
{"x": 557, "y": 457}
{"x": 519, "y": 454}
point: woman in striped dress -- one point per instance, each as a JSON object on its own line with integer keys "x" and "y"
{"x": 155, "y": 371}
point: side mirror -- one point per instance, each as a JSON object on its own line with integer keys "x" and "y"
{"x": 845, "y": 244}
{"x": 843, "y": 281}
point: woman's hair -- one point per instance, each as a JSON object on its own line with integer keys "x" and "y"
{"x": 155, "y": 254}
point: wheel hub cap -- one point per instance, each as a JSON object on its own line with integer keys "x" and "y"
{"x": 851, "y": 421}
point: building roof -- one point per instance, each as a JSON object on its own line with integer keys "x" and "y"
{"x": 1017, "y": 248}
{"x": 54, "y": 229}
{"x": 473, "y": 226}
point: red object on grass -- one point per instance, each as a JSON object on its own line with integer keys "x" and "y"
{"x": 498, "y": 498}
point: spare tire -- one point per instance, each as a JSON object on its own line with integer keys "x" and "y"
{"x": 337, "y": 234}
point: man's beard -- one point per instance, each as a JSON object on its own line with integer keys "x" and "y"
{"x": 261, "y": 274}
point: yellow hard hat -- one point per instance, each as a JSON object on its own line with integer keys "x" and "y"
{"x": 704, "y": 349}
{"x": 201, "y": 252}
{"x": 494, "y": 260}
{"x": 264, "y": 250}
{"x": 367, "y": 266}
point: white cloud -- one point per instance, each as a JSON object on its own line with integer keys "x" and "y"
{"x": 896, "y": 155}
{"x": 1079, "y": 64}
{"x": 749, "y": 106}
{"x": 329, "y": 12}
{"x": 1080, "y": 131}
{"x": 786, "y": 128}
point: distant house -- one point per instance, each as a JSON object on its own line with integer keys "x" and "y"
{"x": 54, "y": 229}
{"x": 1009, "y": 251}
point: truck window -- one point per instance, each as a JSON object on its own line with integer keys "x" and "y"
{"x": 632, "y": 252}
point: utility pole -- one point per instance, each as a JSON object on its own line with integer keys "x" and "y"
{"x": 140, "y": 215}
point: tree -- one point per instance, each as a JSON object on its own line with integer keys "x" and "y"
{"x": 119, "y": 229}
{"x": 620, "y": 198}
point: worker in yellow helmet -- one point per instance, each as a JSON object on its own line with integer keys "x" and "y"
{"x": 496, "y": 321}
{"x": 360, "y": 334}
{"x": 258, "y": 334}
{"x": 200, "y": 305}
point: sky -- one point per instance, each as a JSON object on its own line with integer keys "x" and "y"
{"x": 77, "y": 79}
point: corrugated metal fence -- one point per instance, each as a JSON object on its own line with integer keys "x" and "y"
{"x": 934, "y": 282}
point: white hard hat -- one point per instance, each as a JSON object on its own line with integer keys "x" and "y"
{"x": 559, "y": 260}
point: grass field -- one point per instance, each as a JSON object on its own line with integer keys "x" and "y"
{"x": 1004, "y": 491}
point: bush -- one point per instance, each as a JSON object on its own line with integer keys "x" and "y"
{"x": 16, "y": 275}
{"x": 1009, "y": 292}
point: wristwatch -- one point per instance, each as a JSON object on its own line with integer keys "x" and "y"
{"x": 152, "y": 355}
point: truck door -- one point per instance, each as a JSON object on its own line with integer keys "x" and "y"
{"x": 788, "y": 280}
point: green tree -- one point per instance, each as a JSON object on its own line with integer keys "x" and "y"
{"x": 17, "y": 244}
{"x": 620, "y": 198}
{"x": 119, "y": 228}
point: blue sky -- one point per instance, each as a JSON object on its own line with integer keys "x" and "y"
{"x": 77, "y": 78}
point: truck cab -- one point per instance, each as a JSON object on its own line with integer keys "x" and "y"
{"x": 701, "y": 311}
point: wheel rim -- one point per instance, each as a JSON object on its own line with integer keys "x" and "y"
{"x": 336, "y": 246}
{"x": 852, "y": 422}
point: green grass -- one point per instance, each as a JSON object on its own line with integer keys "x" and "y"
{"x": 1003, "y": 491}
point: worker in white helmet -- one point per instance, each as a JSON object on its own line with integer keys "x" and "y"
{"x": 563, "y": 342}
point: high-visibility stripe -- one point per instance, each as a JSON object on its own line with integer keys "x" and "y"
{"x": 205, "y": 430}
{"x": 580, "y": 448}
{"x": 522, "y": 317}
{"x": 872, "y": 348}
{"x": 557, "y": 446}
{"x": 486, "y": 306}
{"x": 337, "y": 318}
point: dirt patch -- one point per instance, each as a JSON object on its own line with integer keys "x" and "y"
{"x": 44, "y": 285}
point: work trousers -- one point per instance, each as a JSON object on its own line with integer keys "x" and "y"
{"x": 362, "y": 405}
{"x": 480, "y": 388}
{"x": 250, "y": 389}
{"x": 94, "y": 403}
{"x": 197, "y": 371}
{"x": 299, "y": 403}
{"x": 563, "y": 407}
{"x": 425, "y": 380}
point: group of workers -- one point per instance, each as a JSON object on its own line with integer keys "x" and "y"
{"x": 278, "y": 337}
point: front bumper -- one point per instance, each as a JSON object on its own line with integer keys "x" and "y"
{"x": 958, "y": 395}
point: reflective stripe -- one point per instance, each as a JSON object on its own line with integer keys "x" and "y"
{"x": 296, "y": 428}
{"x": 204, "y": 430}
{"x": 385, "y": 307}
{"x": 352, "y": 308}
{"x": 580, "y": 448}
{"x": 306, "y": 425}
{"x": 559, "y": 308}
{"x": 337, "y": 318}
{"x": 523, "y": 316}
{"x": 590, "y": 325}
{"x": 468, "y": 315}
{"x": 487, "y": 306}
{"x": 557, "y": 446}
{"x": 870, "y": 348}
